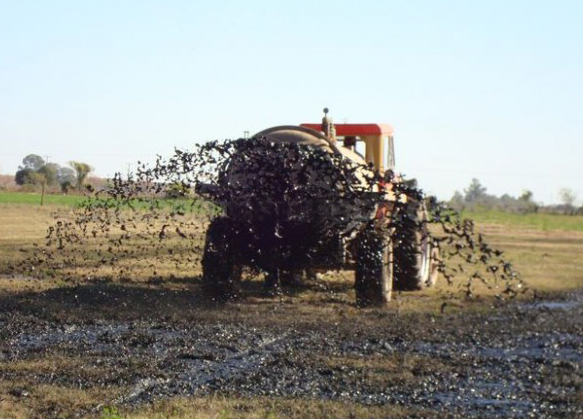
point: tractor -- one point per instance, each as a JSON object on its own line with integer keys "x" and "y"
{"x": 304, "y": 238}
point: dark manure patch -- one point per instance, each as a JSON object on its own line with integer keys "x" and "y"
{"x": 464, "y": 366}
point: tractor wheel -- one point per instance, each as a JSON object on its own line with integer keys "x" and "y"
{"x": 291, "y": 278}
{"x": 220, "y": 273}
{"x": 374, "y": 268}
{"x": 433, "y": 267}
{"x": 416, "y": 256}
{"x": 277, "y": 278}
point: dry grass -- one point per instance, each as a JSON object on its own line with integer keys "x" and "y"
{"x": 548, "y": 260}
{"x": 24, "y": 224}
{"x": 23, "y": 229}
{"x": 24, "y": 400}
{"x": 259, "y": 408}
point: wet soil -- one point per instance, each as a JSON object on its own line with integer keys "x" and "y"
{"x": 517, "y": 360}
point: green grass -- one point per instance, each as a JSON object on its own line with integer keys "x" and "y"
{"x": 540, "y": 222}
{"x": 34, "y": 199}
{"x": 22, "y": 198}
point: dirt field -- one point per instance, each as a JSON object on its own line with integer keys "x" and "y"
{"x": 156, "y": 348}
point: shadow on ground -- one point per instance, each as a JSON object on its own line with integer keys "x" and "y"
{"x": 174, "y": 298}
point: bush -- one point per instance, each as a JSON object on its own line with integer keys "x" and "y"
{"x": 28, "y": 188}
{"x": 177, "y": 190}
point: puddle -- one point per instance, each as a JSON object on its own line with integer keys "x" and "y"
{"x": 538, "y": 347}
{"x": 573, "y": 302}
{"x": 553, "y": 305}
{"x": 198, "y": 373}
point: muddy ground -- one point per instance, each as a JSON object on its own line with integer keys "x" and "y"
{"x": 135, "y": 344}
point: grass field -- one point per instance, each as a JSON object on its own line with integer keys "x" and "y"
{"x": 536, "y": 245}
{"x": 545, "y": 249}
{"x": 538, "y": 222}
{"x": 35, "y": 198}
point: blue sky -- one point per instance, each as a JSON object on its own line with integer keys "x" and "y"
{"x": 491, "y": 90}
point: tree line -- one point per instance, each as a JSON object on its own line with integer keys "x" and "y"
{"x": 475, "y": 197}
{"x": 36, "y": 171}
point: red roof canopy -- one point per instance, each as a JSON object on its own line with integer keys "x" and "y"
{"x": 344, "y": 130}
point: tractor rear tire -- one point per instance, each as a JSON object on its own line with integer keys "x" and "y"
{"x": 416, "y": 255}
{"x": 220, "y": 272}
{"x": 374, "y": 268}
{"x": 291, "y": 278}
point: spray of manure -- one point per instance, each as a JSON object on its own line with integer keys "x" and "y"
{"x": 286, "y": 205}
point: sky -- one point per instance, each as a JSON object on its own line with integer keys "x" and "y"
{"x": 491, "y": 90}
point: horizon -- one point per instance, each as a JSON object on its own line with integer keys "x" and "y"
{"x": 488, "y": 91}
{"x": 92, "y": 175}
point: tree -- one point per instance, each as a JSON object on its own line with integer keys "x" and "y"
{"x": 23, "y": 176}
{"x": 66, "y": 174}
{"x": 66, "y": 186}
{"x": 568, "y": 197}
{"x": 457, "y": 201}
{"x": 66, "y": 178}
{"x": 50, "y": 172}
{"x": 33, "y": 162}
{"x": 37, "y": 178}
{"x": 526, "y": 196}
{"x": 82, "y": 170}
{"x": 475, "y": 191}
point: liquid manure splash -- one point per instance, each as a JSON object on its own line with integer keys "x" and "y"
{"x": 285, "y": 202}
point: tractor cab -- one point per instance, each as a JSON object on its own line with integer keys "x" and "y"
{"x": 377, "y": 140}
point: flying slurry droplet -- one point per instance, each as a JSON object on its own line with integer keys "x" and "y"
{"x": 326, "y": 184}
